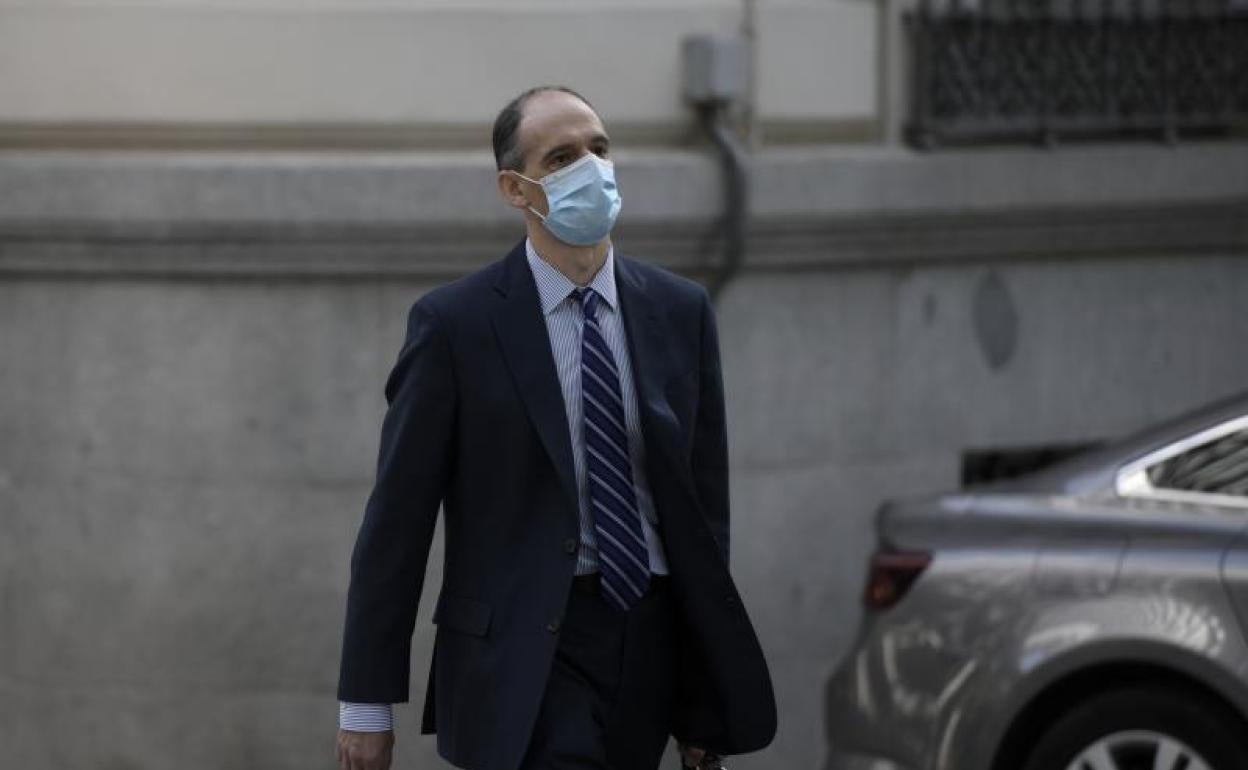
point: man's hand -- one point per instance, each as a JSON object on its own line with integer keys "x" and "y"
{"x": 695, "y": 757}
{"x": 365, "y": 751}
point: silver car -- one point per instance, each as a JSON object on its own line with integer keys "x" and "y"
{"x": 1091, "y": 616}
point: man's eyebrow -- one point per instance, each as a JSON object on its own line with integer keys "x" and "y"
{"x": 553, "y": 151}
{"x": 596, "y": 139}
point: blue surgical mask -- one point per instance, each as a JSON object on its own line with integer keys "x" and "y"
{"x": 582, "y": 202}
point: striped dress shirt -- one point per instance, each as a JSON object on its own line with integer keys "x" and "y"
{"x": 564, "y": 320}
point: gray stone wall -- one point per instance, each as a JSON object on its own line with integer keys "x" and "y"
{"x": 192, "y": 350}
{"x": 412, "y": 73}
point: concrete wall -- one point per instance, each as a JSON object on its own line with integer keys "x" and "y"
{"x": 410, "y": 72}
{"x": 194, "y": 347}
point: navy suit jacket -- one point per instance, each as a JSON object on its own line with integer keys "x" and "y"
{"x": 476, "y": 423}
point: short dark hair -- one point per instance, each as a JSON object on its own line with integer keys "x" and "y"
{"x": 507, "y": 125}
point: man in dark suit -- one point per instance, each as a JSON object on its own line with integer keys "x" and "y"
{"x": 565, "y": 407}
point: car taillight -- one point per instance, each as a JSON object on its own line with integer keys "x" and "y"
{"x": 891, "y": 575}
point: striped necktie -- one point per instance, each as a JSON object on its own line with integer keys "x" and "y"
{"x": 623, "y": 559}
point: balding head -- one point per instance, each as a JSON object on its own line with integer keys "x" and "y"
{"x": 510, "y": 142}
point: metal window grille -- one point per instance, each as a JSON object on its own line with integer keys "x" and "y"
{"x": 1052, "y": 70}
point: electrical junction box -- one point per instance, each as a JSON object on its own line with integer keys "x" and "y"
{"x": 716, "y": 69}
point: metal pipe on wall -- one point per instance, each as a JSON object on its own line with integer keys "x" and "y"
{"x": 716, "y": 82}
{"x": 733, "y": 225}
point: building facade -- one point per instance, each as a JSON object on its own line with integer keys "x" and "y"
{"x": 215, "y": 214}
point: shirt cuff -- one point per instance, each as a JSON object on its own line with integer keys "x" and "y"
{"x": 365, "y": 717}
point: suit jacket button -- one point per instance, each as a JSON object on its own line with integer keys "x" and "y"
{"x": 553, "y": 626}
{"x": 569, "y": 545}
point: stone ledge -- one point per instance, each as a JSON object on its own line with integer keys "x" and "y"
{"x": 247, "y": 214}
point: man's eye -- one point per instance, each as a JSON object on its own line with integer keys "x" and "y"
{"x": 602, "y": 152}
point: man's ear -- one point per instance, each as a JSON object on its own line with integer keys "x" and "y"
{"x": 510, "y": 187}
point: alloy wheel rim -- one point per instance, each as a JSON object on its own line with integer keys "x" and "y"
{"x": 1138, "y": 750}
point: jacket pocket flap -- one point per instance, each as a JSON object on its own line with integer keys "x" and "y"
{"x": 462, "y": 614}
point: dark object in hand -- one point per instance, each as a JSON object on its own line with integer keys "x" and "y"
{"x": 708, "y": 762}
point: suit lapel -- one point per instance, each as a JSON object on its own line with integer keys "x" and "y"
{"x": 643, "y": 321}
{"x": 643, "y": 324}
{"x": 522, "y": 335}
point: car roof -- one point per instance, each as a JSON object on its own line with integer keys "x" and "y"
{"x": 1095, "y": 468}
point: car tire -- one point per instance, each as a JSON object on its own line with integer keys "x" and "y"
{"x": 1125, "y": 722}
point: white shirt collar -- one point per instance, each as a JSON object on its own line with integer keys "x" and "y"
{"x": 553, "y": 287}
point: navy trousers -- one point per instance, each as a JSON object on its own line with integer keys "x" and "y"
{"x": 608, "y": 702}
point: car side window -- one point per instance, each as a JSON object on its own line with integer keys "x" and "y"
{"x": 1215, "y": 467}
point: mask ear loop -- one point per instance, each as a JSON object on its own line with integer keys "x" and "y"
{"x": 536, "y": 213}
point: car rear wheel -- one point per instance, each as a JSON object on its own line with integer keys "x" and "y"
{"x": 1142, "y": 729}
